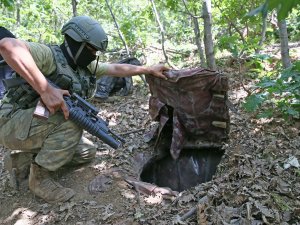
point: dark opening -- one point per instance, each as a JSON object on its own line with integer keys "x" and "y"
{"x": 191, "y": 168}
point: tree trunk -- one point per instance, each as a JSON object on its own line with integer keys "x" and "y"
{"x": 198, "y": 41}
{"x": 208, "y": 40}
{"x": 284, "y": 44}
{"x": 74, "y": 7}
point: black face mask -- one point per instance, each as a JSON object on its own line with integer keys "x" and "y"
{"x": 85, "y": 57}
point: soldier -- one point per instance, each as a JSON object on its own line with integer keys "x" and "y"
{"x": 73, "y": 67}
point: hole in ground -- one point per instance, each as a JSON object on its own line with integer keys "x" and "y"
{"x": 190, "y": 169}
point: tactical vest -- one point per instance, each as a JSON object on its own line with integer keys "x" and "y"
{"x": 81, "y": 82}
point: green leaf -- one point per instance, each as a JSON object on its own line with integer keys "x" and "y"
{"x": 292, "y": 112}
{"x": 283, "y": 7}
{"x": 266, "y": 114}
{"x": 263, "y": 56}
{"x": 273, "y": 4}
{"x": 266, "y": 82}
{"x": 8, "y": 4}
{"x": 286, "y": 7}
{"x": 297, "y": 65}
{"x": 252, "y": 102}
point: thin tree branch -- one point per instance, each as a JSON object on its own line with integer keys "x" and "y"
{"x": 189, "y": 12}
{"x": 162, "y": 31}
{"x": 231, "y": 23}
{"x": 118, "y": 28}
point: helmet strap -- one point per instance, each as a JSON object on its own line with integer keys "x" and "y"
{"x": 69, "y": 50}
{"x": 83, "y": 44}
{"x": 96, "y": 65}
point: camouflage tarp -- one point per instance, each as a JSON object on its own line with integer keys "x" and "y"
{"x": 192, "y": 103}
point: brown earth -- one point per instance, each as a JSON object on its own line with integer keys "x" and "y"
{"x": 252, "y": 185}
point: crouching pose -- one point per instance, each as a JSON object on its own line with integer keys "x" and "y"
{"x": 73, "y": 67}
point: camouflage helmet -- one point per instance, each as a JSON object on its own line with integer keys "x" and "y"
{"x": 85, "y": 29}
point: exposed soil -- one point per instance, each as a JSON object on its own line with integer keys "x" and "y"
{"x": 257, "y": 181}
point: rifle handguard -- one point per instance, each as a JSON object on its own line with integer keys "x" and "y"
{"x": 96, "y": 128}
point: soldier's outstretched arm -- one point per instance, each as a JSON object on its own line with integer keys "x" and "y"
{"x": 123, "y": 70}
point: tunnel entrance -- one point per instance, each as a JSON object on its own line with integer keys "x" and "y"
{"x": 190, "y": 169}
{"x": 192, "y": 115}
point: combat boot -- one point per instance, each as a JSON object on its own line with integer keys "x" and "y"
{"x": 17, "y": 163}
{"x": 43, "y": 186}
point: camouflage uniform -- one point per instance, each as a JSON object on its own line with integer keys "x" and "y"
{"x": 56, "y": 141}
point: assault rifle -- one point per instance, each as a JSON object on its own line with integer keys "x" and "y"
{"x": 81, "y": 113}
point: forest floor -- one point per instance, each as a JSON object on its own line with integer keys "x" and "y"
{"x": 257, "y": 180}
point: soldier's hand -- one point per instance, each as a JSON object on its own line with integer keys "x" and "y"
{"x": 54, "y": 101}
{"x": 158, "y": 71}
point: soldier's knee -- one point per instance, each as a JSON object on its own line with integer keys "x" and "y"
{"x": 84, "y": 155}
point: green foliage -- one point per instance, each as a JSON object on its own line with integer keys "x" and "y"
{"x": 234, "y": 45}
{"x": 280, "y": 94}
{"x": 230, "y": 43}
{"x": 294, "y": 26}
{"x": 172, "y": 4}
{"x": 7, "y": 22}
{"x": 283, "y": 8}
{"x": 135, "y": 27}
{"x": 253, "y": 102}
{"x": 256, "y": 64}
{"x": 7, "y": 3}
{"x": 230, "y": 16}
